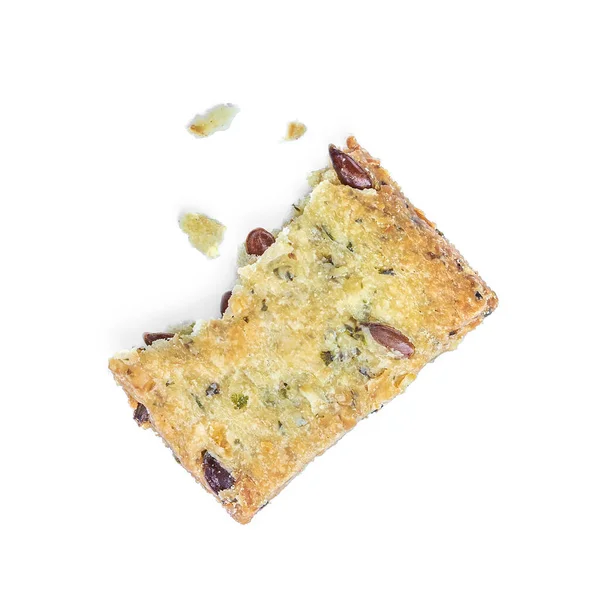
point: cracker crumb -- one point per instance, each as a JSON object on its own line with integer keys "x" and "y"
{"x": 204, "y": 233}
{"x": 295, "y": 130}
{"x": 217, "y": 118}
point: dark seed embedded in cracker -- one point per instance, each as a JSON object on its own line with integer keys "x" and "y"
{"x": 391, "y": 338}
{"x": 258, "y": 241}
{"x": 225, "y": 301}
{"x": 150, "y": 338}
{"x": 349, "y": 172}
{"x": 141, "y": 414}
{"x": 217, "y": 477}
{"x": 213, "y": 389}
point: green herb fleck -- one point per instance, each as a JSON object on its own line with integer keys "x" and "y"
{"x": 350, "y": 247}
{"x": 386, "y": 272}
{"x": 197, "y": 399}
{"x": 324, "y": 230}
{"x": 268, "y": 401}
{"x": 264, "y": 306}
{"x": 239, "y": 400}
{"x": 327, "y": 357}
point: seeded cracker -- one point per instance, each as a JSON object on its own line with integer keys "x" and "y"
{"x": 334, "y": 318}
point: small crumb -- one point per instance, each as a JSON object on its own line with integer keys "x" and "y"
{"x": 295, "y": 130}
{"x": 217, "y": 118}
{"x": 204, "y": 233}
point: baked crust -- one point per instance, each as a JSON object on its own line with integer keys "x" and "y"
{"x": 292, "y": 365}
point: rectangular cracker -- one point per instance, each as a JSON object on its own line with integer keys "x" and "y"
{"x": 247, "y": 401}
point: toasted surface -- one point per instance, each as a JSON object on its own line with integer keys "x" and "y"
{"x": 293, "y": 364}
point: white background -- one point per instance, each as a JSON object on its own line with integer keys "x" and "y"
{"x": 482, "y": 482}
